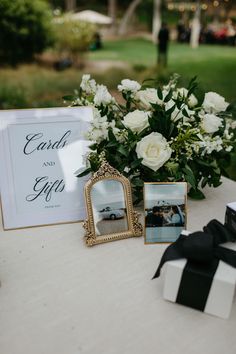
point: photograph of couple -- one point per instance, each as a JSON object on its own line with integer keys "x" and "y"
{"x": 165, "y": 211}
{"x": 166, "y": 216}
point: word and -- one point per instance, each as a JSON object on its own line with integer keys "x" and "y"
{"x": 48, "y": 163}
{"x": 35, "y": 143}
{"x": 45, "y": 188}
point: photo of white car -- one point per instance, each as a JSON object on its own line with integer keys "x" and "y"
{"x": 111, "y": 214}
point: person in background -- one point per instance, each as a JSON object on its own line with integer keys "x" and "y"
{"x": 97, "y": 43}
{"x": 180, "y": 32}
{"x": 163, "y": 39}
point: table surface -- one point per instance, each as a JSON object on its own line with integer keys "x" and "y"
{"x": 59, "y": 297}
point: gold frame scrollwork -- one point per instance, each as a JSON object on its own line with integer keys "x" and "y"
{"x": 135, "y": 228}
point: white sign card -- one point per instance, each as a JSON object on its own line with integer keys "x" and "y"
{"x": 40, "y": 150}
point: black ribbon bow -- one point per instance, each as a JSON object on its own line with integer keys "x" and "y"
{"x": 203, "y": 252}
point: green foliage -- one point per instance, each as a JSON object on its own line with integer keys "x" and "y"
{"x": 73, "y": 37}
{"x": 189, "y": 151}
{"x": 12, "y": 97}
{"x": 25, "y": 30}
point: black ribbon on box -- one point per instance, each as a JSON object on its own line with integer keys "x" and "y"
{"x": 203, "y": 252}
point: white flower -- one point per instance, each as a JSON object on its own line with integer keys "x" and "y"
{"x": 136, "y": 120}
{"x": 209, "y": 145}
{"x": 102, "y": 96}
{"x": 87, "y": 85}
{"x": 233, "y": 124}
{"x": 214, "y": 103}
{"x": 146, "y": 97}
{"x": 154, "y": 150}
{"x": 211, "y": 123}
{"x": 97, "y": 135}
{"x": 178, "y": 114}
{"x": 192, "y": 100}
{"x": 120, "y": 134}
{"x": 183, "y": 92}
{"x": 129, "y": 85}
{"x": 99, "y": 127}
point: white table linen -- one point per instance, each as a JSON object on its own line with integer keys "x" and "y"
{"x": 58, "y": 296}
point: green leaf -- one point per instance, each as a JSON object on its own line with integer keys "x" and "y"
{"x": 204, "y": 182}
{"x": 136, "y": 163}
{"x": 112, "y": 144}
{"x": 196, "y": 194}
{"x": 93, "y": 147}
{"x": 122, "y": 150}
{"x": 189, "y": 176}
{"x": 168, "y": 97}
{"x": 171, "y": 110}
{"x": 69, "y": 98}
{"x": 185, "y": 113}
{"x": 137, "y": 182}
{"x": 159, "y": 93}
{"x": 111, "y": 136}
{"x": 83, "y": 173}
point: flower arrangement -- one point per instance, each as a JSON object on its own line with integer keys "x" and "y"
{"x": 159, "y": 133}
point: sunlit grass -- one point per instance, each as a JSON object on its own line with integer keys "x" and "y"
{"x": 215, "y": 66}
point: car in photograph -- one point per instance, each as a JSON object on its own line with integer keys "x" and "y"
{"x": 111, "y": 214}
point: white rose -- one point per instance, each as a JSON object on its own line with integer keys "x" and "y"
{"x": 129, "y": 85}
{"x": 154, "y": 150}
{"x": 183, "y": 92}
{"x": 211, "y": 123}
{"x": 146, "y": 97}
{"x": 102, "y": 96}
{"x": 136, "y": 120}
{"x": 214, "y": 103}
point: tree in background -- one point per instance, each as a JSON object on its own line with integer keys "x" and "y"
{"x": 112, "y": 5}
{"x": 156, "y": 23}
{"x": 73, "y": 38}
{"x": 127, "y": 16}
{"x": 196, "y": 27}
{"x": 70, "y": 5}
{"x": 25, "y": 30}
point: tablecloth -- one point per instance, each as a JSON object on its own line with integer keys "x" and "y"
{"x": 58, "y": 296}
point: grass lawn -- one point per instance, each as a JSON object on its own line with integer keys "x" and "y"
{"x": 215, "y": 66}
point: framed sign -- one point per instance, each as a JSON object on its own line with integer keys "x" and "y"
{"x": 165, "y": 207}
{"x": 40, "y": 150}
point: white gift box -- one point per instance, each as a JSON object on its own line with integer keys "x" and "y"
{"x": 221, "y": 294}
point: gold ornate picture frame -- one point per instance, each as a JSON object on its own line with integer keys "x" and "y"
{"x": 110, "y": 214}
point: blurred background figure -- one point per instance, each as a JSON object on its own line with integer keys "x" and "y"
{"x": 163, "y": 39}
{"x": 180, "y": 32}
{"x": 97, "y": 44}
